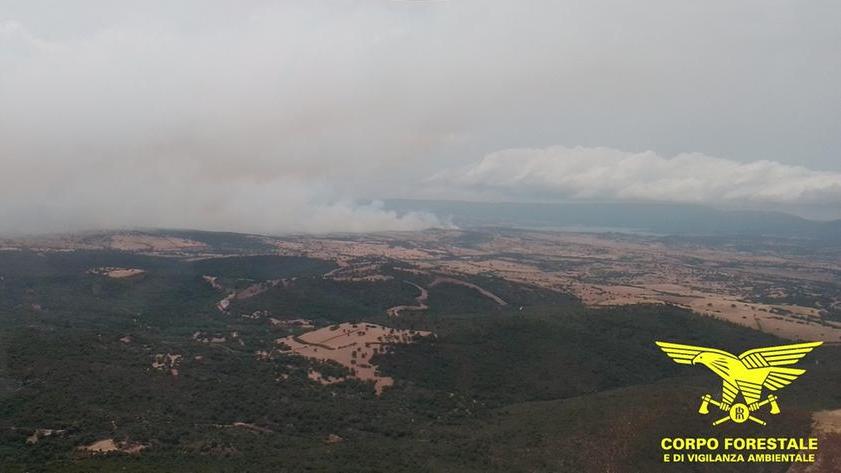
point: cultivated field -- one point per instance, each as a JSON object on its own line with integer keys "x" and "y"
{"x": 771, "y": 287}
{"x": 352, "y": 346}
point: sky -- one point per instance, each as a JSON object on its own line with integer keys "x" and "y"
{"x": 299, "y": 116}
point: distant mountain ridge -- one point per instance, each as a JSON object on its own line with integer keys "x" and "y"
{"x": 670, "y": 219}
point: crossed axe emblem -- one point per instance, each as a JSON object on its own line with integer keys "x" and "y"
{"x": 738, "y": 412}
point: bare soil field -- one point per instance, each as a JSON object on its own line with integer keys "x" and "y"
{"x": 783, "y": 287}
{"x": 826, "y": 426}
{"x": 751, "y": 287}
{"x": 352, "y": 346}
{"x": 39, "y": 434}
{"x": 827, "y": 421}
{"x": 117, "y": 273}
{"x": 141, "y": 242}
{"x": 167, "y": 362}
{"x": 121, "y": 241}
{"x": 111, "y": 446}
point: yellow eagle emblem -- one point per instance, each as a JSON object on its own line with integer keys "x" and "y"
{"x": 746, "y": 374}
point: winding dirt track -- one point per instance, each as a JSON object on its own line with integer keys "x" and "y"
{"x": 421, "y": 300}
{"x": 480, "y": 290}
{"x": 424, "y": 295}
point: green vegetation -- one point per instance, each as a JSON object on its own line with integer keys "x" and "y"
{"x": 541, "y": 384}
{"x": 317, "y": 298}
{"x": 261, "y": 267}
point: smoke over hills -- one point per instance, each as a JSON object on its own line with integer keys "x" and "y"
{"x": 280, "y": 117}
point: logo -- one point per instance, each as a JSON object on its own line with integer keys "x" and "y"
{"x": 746, "y": 375}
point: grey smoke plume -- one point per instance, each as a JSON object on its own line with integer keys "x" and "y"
{"x": 280, "y": 116}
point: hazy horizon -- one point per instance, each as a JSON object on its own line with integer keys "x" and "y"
{"x": 275, "y": 117}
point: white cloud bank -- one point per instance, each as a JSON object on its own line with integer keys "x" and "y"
{"x": 608, "y": 174}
